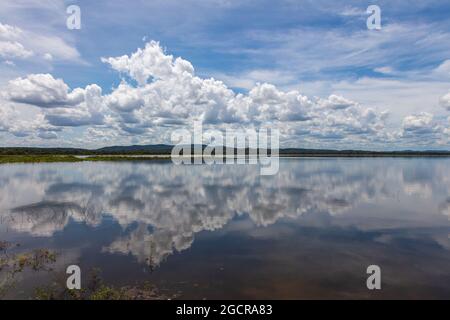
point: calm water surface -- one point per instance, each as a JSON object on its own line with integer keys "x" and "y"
{"x": 226, "y": 232}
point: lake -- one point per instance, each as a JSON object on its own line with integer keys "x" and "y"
{"x": 226, "y": 232}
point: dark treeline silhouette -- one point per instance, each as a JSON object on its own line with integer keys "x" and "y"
{"x": 163, "y": 149}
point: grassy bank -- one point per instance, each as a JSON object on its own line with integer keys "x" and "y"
{"x": 37, "y": 158}
{"x": 69, "y": 158}
{"x": 126, "y": 158}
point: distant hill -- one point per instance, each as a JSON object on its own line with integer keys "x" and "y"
{"x": 137, "y": 149}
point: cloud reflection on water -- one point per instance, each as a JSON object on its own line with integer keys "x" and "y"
{"x": 171, "y": 204}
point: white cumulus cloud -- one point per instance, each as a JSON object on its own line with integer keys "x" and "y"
{"x": 161, "y": 93}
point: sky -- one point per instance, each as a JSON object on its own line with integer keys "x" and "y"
{"x": 137, "y": 71}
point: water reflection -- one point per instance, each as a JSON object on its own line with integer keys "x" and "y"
{"x": 162, "y": 207}
{"x": 173, "y": 203}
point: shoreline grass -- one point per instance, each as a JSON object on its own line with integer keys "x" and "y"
{"x": 125, "y": 158}
{"x": 5, "y": 159}
{"x": 37, "y": 158}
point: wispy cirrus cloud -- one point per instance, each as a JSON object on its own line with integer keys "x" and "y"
{"x": 16, "y": 43}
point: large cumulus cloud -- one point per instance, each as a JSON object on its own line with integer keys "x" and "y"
{"x": 12, "y": 122}
{"x": 60, "y": 106}
{"x": 159, "y": 92}
{"x": 445, "y": 101}
{"x": 423, "y": 127}
{"x": 42, "y": 90}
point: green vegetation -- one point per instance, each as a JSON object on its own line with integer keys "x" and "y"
{"x": 13, "y": 263}
{"x": 118, "y": 150}
{"x": 157, "y": 150}
{"x": 36, "y": 260}
{"x": 37, "y": 158}
{"x": 72, "y": 158}
{"x": 163, "y": 152}
{"x": 125, "y": 158}
{"x": 96, "y": 289}
{"x": 63, "y": 158}
{"x": 101, "y": 293}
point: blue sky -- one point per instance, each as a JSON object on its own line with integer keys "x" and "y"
{"x": 394, "y": 81}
